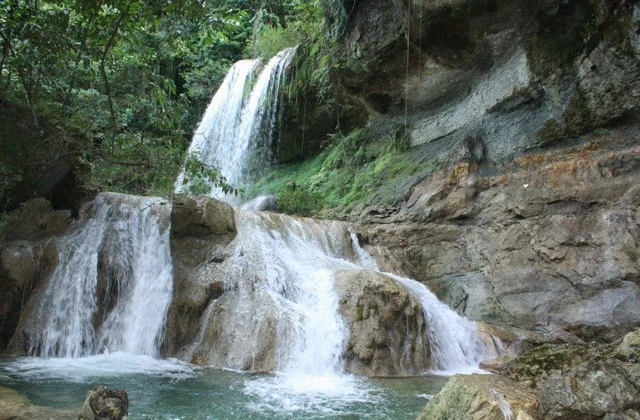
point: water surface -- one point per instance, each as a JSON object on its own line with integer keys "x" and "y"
{"x": 169, "y": 389}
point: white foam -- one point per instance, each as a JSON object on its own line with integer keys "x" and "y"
{"x": 101, "y": 366}
{"x": 312, "y": 394}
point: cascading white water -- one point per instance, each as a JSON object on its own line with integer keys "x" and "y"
{"x": 239, "y": 122}
{"x": 455, "y": 343}
{"x": 134, "y": 232}
{"x": 292, "y": 263}
{"x": 282, "y": 310}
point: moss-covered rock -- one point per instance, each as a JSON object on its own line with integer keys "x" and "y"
{"x": 487, "y": 397}
{"x": 549, "y": 359}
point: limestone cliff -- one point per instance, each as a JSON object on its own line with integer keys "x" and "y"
{"x": 522, "y": 127}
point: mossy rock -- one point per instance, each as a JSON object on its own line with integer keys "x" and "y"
{"x": 548, "y": 359}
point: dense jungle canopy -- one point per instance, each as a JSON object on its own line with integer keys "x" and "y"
{"x": 115, "y": 88}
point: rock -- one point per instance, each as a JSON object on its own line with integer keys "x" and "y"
{"x": 627, "y": 415}
{"x": 58, "y": 222}
{"x": 549, "y": 359}
{"x": 29, "y": 222}
{"x": 261, "y": 203}
{"x": 373, "y": 305}
{"x": 589, "y": 391}
{"x": 589, "y": 381}
{"x": 526, "y": 257}
{"x": 496, "y": 365}
{"x": 629, "y": 349}
{"x": 225, "y": 344}
{"x": 28, "y": 254}
{"x": 200, "y": 217}
{"x": 202, "y": 234}
{"x": 19, "y": 262}
{"x": 105, "y": 404}
{"x": 487, "y": 397}
{"x": 14, "y": 406}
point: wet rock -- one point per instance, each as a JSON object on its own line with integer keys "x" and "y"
{"x": 496, "y": 365}
{"x": 202, "y": 234}
{"x": 28, "y": 254}
{"x": 629, "y": 349}
{"x": 105, "y": 404}
{"x": 487, "y": 397}
{"x": 226, "y": 344}
{"x": 373, "y": 306}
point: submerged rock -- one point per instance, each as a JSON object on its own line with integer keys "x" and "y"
{"x": 105, "y": 404}
{"x": 486, "y": 397}
{"x": 14, "y": 406}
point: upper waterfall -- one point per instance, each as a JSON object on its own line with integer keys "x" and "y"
{"x": 236, "y": 132}
{"x": 113, "y": 284}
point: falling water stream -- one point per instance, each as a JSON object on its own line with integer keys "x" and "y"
{"x": 101, "y": 318}
{"x": 236, "y": 131}
{"x": 122, "y": 241}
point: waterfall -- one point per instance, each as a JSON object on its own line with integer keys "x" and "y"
{"x": 236, "y": 132}
{"x": 113, "y": 284}
{"x": 282, "y": 310}
{"x": 455, "y": 343}
{"x": 281, "y": 297}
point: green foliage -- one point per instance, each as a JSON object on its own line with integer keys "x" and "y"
{"x": 298, "y": 200}
{"x": 121, "y": 84}
{"x": 272, "y": 39}
{"x": 359, "y": 169}
{"x": 201, "y": 178}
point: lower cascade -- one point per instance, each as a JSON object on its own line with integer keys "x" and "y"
{"x": 112, "y": 286}
{"x": 291, "y": 283}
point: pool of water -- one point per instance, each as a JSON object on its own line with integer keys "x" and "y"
{"x": 169, "y": 389}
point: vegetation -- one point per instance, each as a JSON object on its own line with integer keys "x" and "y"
{"x": 201, "y": 178}
{"x": 358, "y": 169}
{"x": 119, "y": 85}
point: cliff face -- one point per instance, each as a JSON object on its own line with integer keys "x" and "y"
{"x": 523, "y": 117}
{"x": 513, "y": 75}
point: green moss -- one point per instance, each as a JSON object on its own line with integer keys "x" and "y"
{"x": 357, "y": 170}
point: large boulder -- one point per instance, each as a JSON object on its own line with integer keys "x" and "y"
{"x": 373, "y": 306}
{"x": 202, "y": 234}
{"x": 486, "y": 397}
{"x": 588, "y": 381}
